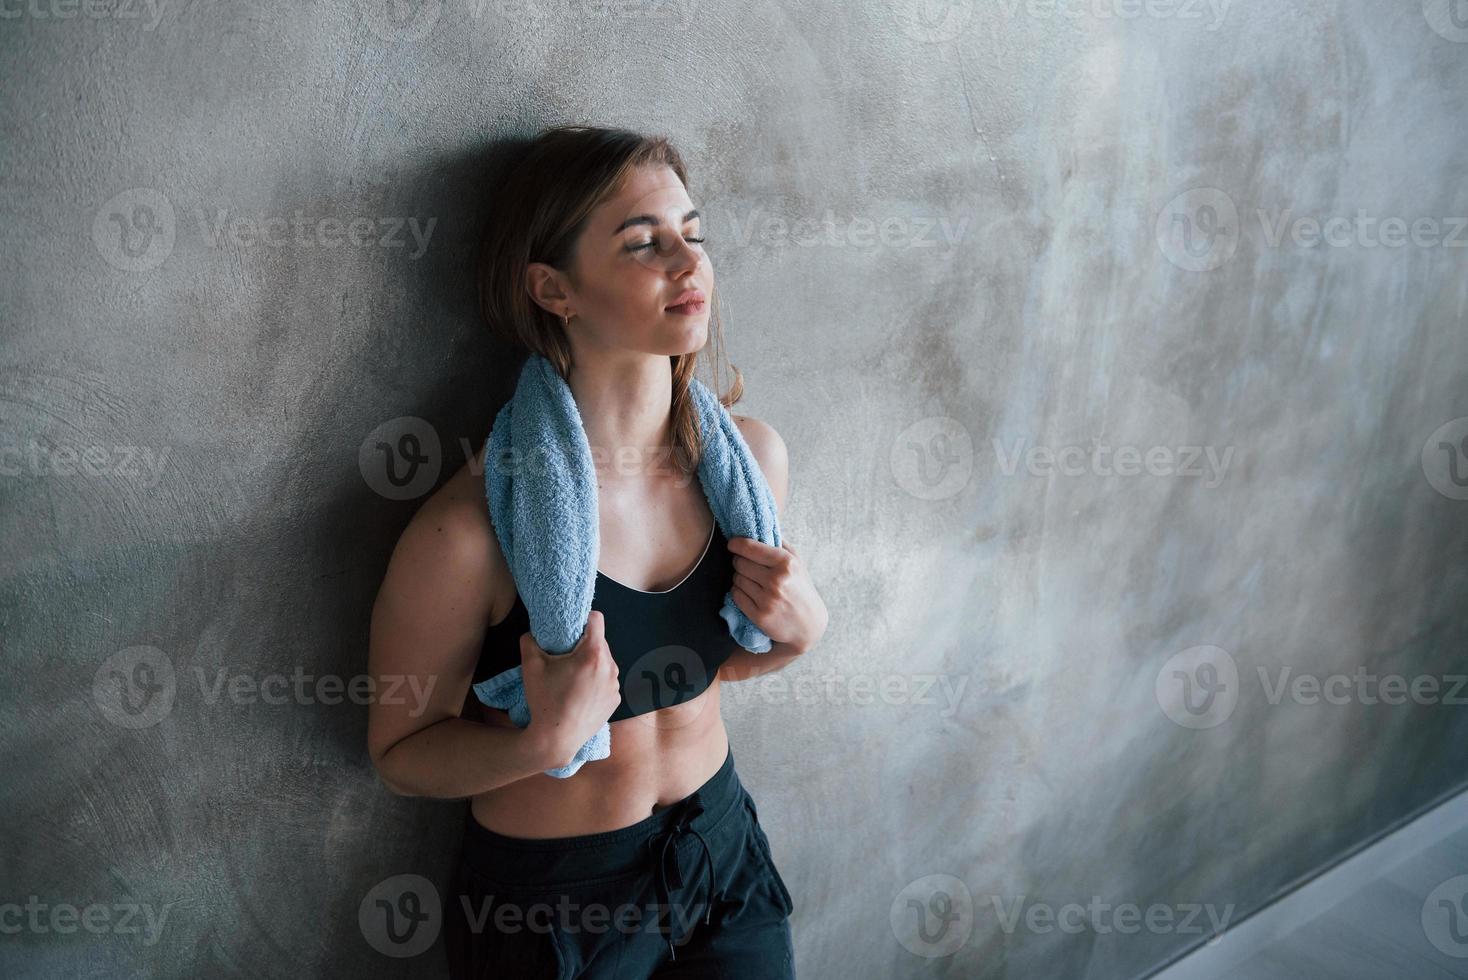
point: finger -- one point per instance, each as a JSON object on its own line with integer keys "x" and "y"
{"x": 754, "y": 571}
{"x": 743, "y": 600}
{"x": 528, "y": 647}
{"x": 755, "y": 550}
{"x": 596, "y": 623}
{"x": 752, "y": 588}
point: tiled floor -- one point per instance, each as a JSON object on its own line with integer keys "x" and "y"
{"x": 1363, "y": 920}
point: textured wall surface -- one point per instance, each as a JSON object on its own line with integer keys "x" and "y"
{"x": 1119, "y": 347}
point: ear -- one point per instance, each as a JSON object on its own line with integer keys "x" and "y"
{"x": 547, "y": 288}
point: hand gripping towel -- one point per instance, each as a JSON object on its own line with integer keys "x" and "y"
{"x": 541, "y": 485}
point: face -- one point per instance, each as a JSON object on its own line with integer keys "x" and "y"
{"x": 640, "y": 253}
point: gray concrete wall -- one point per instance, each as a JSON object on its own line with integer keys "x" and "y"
{"x": 1042, "y": 682}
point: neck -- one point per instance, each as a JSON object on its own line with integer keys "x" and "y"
{"x": 625, "y": 403}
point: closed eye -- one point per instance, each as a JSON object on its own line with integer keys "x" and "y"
{"x": 642, "y": 246}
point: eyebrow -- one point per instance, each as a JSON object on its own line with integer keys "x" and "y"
{"x": 650, "y": 219}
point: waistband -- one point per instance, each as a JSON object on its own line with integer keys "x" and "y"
{"x": 545, "y": 862}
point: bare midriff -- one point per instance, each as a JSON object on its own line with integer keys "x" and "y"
{"x": 657, "y": 759}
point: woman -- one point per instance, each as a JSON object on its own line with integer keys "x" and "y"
{"x": 650, "y": 862}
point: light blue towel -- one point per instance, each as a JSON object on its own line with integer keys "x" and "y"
{"x": 541, "y": 486}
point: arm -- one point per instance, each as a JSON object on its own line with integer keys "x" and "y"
{"x": 774, "y": 462}
{"x": 428, "y": 624}
{"x": 742, "y": 665}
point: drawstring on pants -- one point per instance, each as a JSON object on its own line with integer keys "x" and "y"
{"x": 668, "y": 868}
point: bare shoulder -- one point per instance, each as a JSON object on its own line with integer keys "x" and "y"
{"x": 449, "y": 546}
{"x": 769, "y": 452}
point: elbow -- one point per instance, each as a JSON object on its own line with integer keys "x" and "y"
{"x": 385, "y": 775}
{"x": 396, "y": 789}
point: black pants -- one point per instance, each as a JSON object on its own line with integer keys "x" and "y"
{"x": 691, "y": 891}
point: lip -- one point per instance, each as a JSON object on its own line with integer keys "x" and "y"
{"x": 689, "y": 302}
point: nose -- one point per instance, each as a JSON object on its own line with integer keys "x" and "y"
{"x": 684, "y": 256}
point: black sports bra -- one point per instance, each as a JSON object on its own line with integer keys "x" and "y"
{"x": 668, "y": 645}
